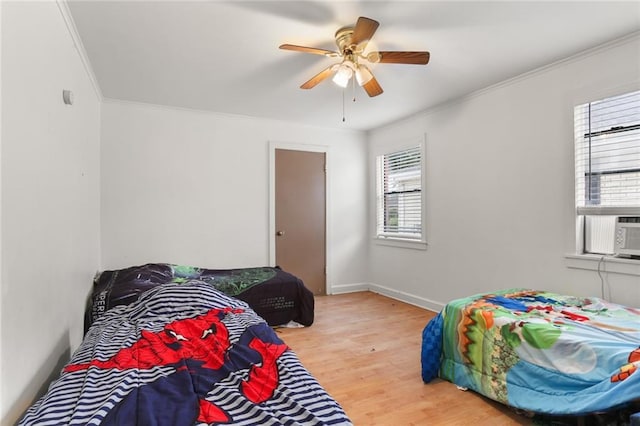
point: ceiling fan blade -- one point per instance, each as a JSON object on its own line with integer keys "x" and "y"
{"x": 372, "y": 87}
{"x": 322, "y": 75}
{"x": 364, "y": 30}
{"x": 305, "y": 49}
{"x": 417, "y": 58}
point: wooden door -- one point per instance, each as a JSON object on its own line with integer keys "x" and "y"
{"x": 300, "y": 191}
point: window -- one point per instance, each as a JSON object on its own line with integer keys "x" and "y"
{"x": 399, "y": 195}
{"x": 607, "y": 144}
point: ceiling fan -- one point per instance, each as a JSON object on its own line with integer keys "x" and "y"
{"x": 351, "y": 42}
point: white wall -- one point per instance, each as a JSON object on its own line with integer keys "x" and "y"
{"x": 500, "y": 186}
{"x": 192, "y": 187}
{"x": 50, "y": 201}
{"x": 1, "y": 287}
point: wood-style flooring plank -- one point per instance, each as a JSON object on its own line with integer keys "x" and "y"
{"x": 364, "y": 349}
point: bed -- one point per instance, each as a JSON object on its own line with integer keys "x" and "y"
{"x": 276, "y": 295}
{"x": 537, "y": 351}
{"x": 184, "y": 353}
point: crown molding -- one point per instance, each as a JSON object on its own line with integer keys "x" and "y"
{"x": 63, "y": 6}
{"x": 632, "y": 37}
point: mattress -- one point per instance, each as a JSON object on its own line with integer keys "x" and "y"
{"x": 184, "y": 354}
{"x": 274, "y": 294}
{"x": 537, "y": 351}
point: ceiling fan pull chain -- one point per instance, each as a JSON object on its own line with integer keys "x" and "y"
{"x": 353, "y": 85}
{"x": 343, "y": 118}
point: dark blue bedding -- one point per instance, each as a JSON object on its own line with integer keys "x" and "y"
{"x": 276, "y": 295}
{"x": 184, "y": 354}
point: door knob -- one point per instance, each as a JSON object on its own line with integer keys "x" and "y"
{"x": 280, "y": 233}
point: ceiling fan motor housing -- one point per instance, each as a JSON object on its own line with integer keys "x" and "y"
{"x": 343, "y": 40}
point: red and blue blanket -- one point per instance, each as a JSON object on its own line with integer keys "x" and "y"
{"x": 184, "y": 354}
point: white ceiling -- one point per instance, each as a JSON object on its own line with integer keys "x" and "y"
{"x": 223, "y": 56}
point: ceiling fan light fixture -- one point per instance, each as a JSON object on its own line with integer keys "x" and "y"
{"x": 343, "y": 75}
{"x": 352, "y": 41}
{"x": 363, "y": 75}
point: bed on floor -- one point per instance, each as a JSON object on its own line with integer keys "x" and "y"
{"x": 276, "y": 295}
{"x": 537, "y": 351}
{"x": 184, "y": 353}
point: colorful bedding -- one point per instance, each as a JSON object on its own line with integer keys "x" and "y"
{"x": 537, "y": 351}
{"x": 277, "y": 296}
{"x": 184, "y": 354}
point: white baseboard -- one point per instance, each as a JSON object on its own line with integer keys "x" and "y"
{"x": 389, "y": 292}
{"x": 349, "y": 288}
{"x": 411, "y": 299}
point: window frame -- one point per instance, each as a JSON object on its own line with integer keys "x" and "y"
{"x": 400, "y": 240}
{"x": 587, "y": 209}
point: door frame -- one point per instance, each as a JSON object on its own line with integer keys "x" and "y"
{"x": 273, "y": 145}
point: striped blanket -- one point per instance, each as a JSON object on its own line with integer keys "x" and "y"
{"x": 184, "y": 354}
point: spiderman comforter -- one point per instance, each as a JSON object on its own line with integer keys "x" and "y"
{"x": 537, "y": 351}
{"x": 184, "y": 354}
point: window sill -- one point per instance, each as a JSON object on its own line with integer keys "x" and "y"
{"x": 402, "y": 243}
{"x": 610, "y": 264}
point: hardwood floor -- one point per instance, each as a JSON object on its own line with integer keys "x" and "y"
{"x": 364, "y": 349}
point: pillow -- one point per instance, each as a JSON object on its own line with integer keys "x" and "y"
{"x": 123, "y": 286}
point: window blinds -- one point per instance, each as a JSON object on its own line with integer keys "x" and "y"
{"x": 607, "y": 143}
{"x": 400, "y": 194}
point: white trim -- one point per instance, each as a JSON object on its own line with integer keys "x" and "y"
{"x": 608, "y": 211}
{"x": 629, "y": 38}
{"x": 409, "y": 298}
{"x": 273, "y": 145}
{"x": 401, "y": 145}
{"x": 603, "y": 263}
{"x": 349, "y": 288}
{"x": 63, "y": 6}
{"x": 400, "y": 242}
{"x": 2, "y": 284}
{"x": 581, "y": 154}
{"x": 226, "y": 115}
{"x": 397, "y": 240}
{"x": 412, "y": 299}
